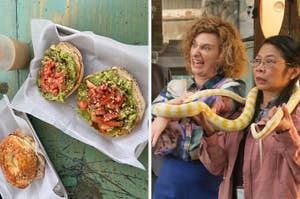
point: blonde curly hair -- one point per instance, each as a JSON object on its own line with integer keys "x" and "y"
{"x": 233, "y": 56}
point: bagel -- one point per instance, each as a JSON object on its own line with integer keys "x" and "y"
{"x": 19, "y": 161}
{"x": 61, "y": 72}
{"x": 111, "y": 101}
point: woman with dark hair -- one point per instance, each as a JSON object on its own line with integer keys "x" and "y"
{"x": 215, "y": 55}
{"x": 267, "y": 168}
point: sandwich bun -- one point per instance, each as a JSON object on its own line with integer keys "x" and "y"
{"x": 61, "y": 72}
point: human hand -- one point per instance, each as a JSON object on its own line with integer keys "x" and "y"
{"x": 216, "y": 107}
{"x": 158, "y": 126}
{"x": 179, "y": 100}
{"x": 202, "y": 121}
{"x": 176, "y": 101}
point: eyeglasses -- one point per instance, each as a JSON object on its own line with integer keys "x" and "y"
{"x": 267, "y": 63}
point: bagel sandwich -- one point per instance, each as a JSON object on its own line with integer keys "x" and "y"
{"x": 21, "y": 164}
{"x": 61, "y": 72}
{"x": 111, "y": 101}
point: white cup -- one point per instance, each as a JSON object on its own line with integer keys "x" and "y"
{"x": 13, "y": 54}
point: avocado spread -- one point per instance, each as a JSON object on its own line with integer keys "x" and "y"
{"x": 128, "y": 112}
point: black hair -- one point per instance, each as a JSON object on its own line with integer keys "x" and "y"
{"x": 290, "y": 51}
{"x": 289, "y": 48}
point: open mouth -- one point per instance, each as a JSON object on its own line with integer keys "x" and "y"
{"x": 260, "y": 80}
{"x": 197, "y": 62}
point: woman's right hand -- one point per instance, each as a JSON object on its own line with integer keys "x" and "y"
{"x": 206, "y": 126}
{"x": 158, "y": 126}
{"x": 160, "y": 123}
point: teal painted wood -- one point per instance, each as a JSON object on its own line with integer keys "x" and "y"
{"x": 86, "y": 172}
{"x": 125, "y": 20}
{"x": 24, "y": 14}
{"x": 8, "y": 28}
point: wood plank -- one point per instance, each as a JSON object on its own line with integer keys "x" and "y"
{"x": 8, "y": 28}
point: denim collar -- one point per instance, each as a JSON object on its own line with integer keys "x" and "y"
{"x": 209, "y": 84}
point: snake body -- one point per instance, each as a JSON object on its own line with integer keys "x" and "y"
{"x": 195, "y": 107}
{"x": 275, "y": 120}
{"x": 191, "y": 108}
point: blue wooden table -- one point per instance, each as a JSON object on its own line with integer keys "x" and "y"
{"x": 85, "y": 172}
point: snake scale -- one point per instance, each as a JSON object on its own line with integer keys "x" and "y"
{"x": 191, "y": 108}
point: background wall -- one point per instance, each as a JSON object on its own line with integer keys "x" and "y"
{"x": 171, "y": 18}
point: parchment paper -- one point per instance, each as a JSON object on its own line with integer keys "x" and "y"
{"x": 99, "y": 53}
{"x": 38, "y": 189}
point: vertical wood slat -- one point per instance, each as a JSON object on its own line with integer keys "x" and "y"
{"x": 295, "y": 20}
{"x": 181, "y": 4}
{"x": 86, "y": 16}
{"x": 156, "y": 33}
{"x": 258, "y": 34}
{"x": 24, "y": 30}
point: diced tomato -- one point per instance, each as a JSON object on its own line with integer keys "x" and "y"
{"x": 51, "y": 80}
{"x": 82, "y": 105}
{"x": 55, "y": 91}
{"x": 100, "y": 111}
{"x": 107, "y": 123}
{"x": 103, "y": 86}
{"x": 114, "y": 123}
{"x": 110, "y": 116}
{"x": 105, "y": 103}
{"x": 106, "y": 99}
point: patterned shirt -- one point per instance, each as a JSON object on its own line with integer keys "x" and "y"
{"x": 182, "y": 138}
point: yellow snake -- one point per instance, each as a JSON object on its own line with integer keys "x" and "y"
{"x": 191, "y": 108}
{"x": 275, "y": 120}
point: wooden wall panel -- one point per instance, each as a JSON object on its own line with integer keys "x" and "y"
{"x": 177, "y": 4}
{"x": 290, "y": 24}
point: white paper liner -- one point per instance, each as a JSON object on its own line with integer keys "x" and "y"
{"x": 38, "y": 189}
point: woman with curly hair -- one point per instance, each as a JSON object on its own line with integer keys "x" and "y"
{"x": 215, "y": 56}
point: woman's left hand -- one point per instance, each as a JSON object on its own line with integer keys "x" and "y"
{"x": 202, "y": 121}
{"x": 221, "y": 106}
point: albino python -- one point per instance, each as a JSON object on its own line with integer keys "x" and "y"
{"x": 275, "y": 120}
{"x": 190, "y": 108}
